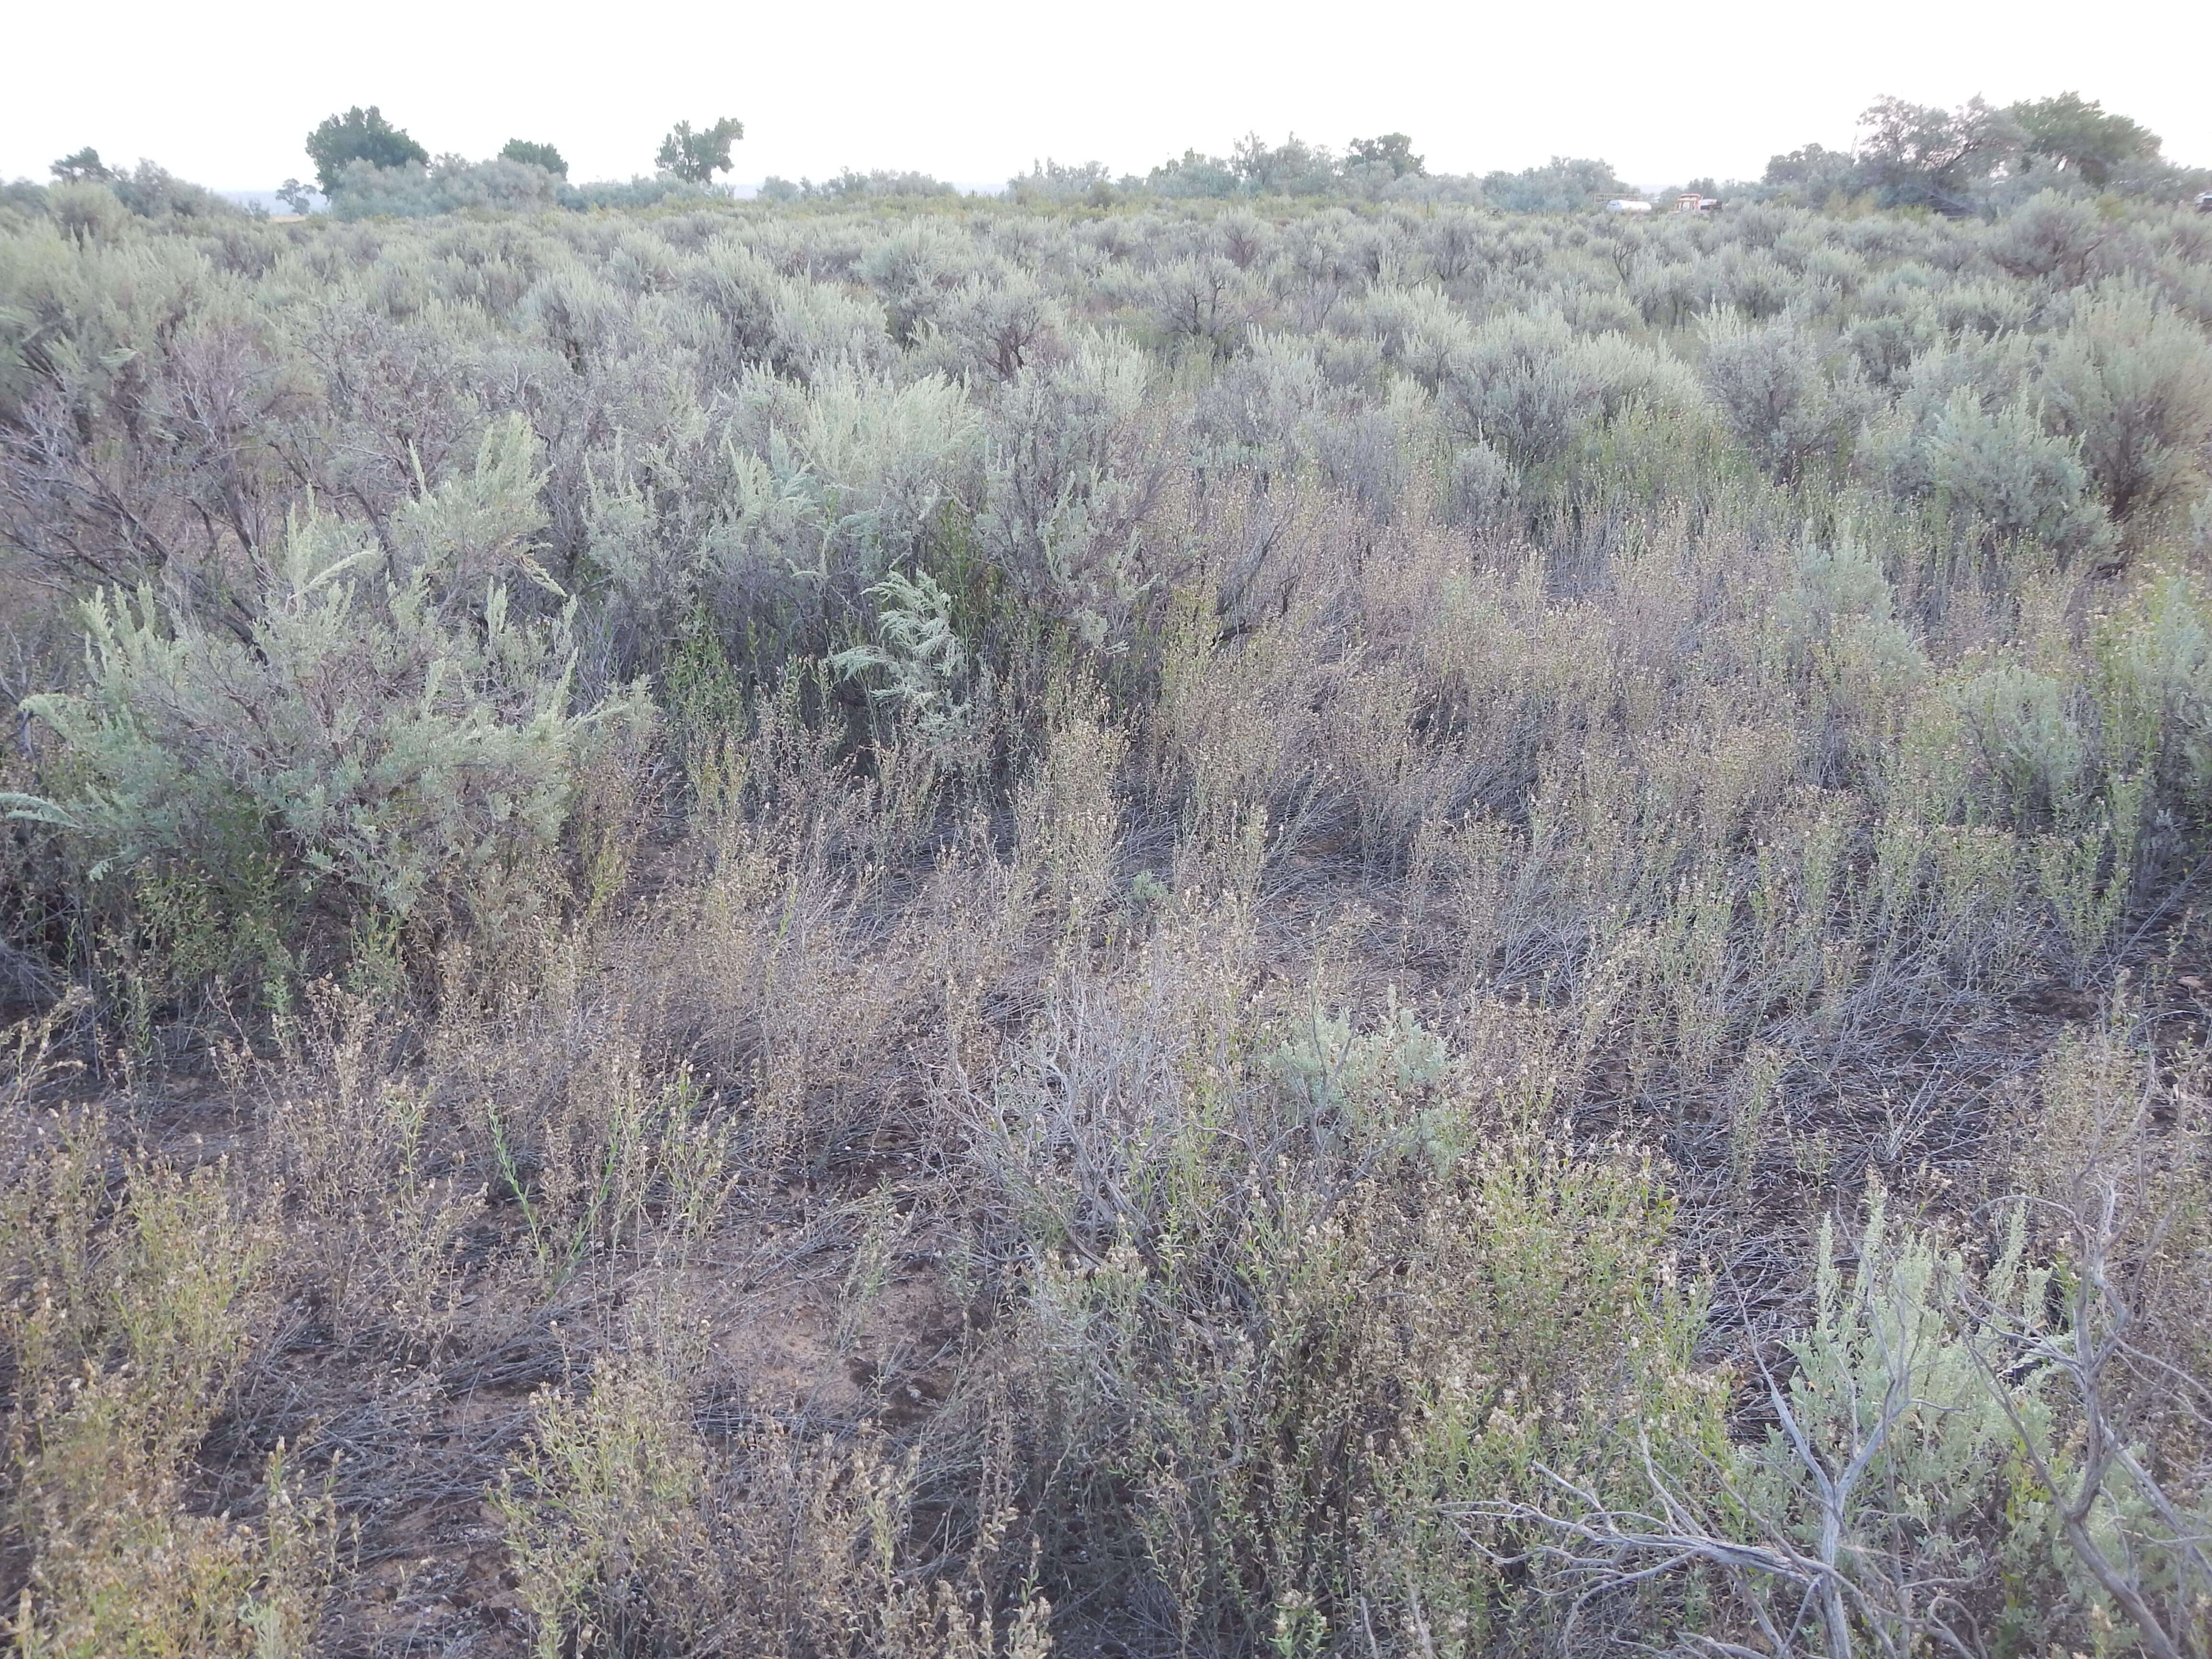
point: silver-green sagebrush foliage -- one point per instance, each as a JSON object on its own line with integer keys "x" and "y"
{"x": 390, "y": 740}
{"x": 1266, "y": 914}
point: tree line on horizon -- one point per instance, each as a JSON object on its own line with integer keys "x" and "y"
{"x": 1977, "y": 158}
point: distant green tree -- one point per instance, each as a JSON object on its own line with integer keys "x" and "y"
{"x": 851, "y": 186}
{"x": 1816, "y": 173}
{"x": 1394, "y": 150}
{"x": 536, "y": 155}
{"x": 2069, "y": 133}
{"x": 696, "y": 157}
{"x": 359, "y": 134}
{"x": 1566, "y": 184}
{"x": 1058, "y": 181}
{"x": 84, "y": 166}
{"x": 1194, "y": 175}
{"x": 1918, "y": 153}
{"x": 1292, "y": 168}
{"x": 295, "y": 196}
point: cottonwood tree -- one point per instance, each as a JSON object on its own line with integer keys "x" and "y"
{"x": 84, "y": 166}
{"x": 696, "y": 156}
{"x": 1293, "y": 168}
{"x": 1393, "y": 150}
{"x": 359, "y": 134}
{"x": 536, "y": 155}
{"x": 1815, "y": 172}
{"x": 1563, "y": 185}
{"x": 1923, "y": 153}
{"x": 2080, "y": 137}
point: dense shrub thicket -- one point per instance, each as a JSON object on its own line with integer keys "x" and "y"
{"x": 949, "y": 927}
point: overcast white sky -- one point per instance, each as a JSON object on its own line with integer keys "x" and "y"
{"x": 222, "y": 92}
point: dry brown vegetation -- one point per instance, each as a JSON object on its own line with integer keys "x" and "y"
{"x": 984, "y": 931}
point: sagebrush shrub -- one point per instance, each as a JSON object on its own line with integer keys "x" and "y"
{"x": 383, "y": 744}
{"x": 1167, "y": 900}
{"x": 1773, "y": 380}
{"x": 2131, "y": 383}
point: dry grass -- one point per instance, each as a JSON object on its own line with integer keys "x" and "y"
{"x": 1397, "y": 1053}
